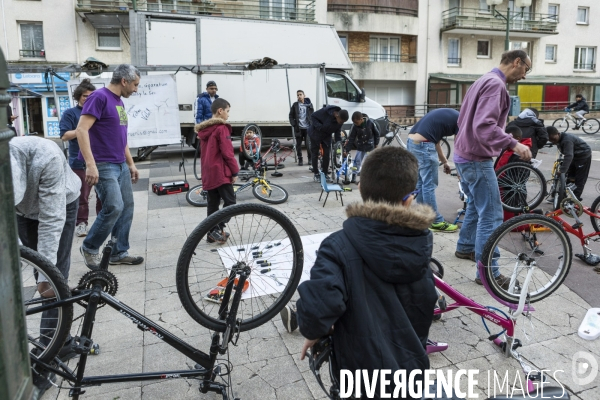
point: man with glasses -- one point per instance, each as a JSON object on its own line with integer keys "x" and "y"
{"x": 480, "y": 137}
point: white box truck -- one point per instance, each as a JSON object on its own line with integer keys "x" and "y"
{"x": 310, "y": 57}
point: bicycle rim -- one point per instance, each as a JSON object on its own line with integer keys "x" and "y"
{"x": 197, "y": 197}
{"x": 595, "y": 209}
{"x": 521, "y": 187}
{"x": 561, "y": 124}
{"x": 591, "y": 126}
{"x": 273, "y": 194}
{"x": 530, "y": 236}
{"x": 261, "y": 237}
{"x": 48, "y": 330}
{"x": 446, "y": 148}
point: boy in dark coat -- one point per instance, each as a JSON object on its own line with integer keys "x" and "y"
{"x": 219, "y": 167}
{"x": 376, "y": 301}
{"x": 300, "y": 114}
{"x": 364, "y": 137}
{"x": 323, "y": 123}
{"x": 531, "y": 128}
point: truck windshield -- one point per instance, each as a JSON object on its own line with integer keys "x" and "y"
{"x": 338, "y": 86}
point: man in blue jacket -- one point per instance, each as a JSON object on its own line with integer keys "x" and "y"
{"x": 323, "y": 123}
{"x": 204, "y": 101}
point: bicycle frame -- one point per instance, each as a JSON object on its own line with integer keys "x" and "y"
{"x": 577, "y": 232}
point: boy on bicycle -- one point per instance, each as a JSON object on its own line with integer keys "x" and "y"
{"x": 377, "y": 302}
{"x": 219, "y": 167}
{"x": 364, "y": 137}
{"x": 581, "y": 108}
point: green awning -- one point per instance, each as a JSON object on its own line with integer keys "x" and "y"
{"x": 540, "y": 79}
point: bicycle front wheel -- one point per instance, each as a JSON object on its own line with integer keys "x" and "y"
{"x": 197, "y": 196}
{"x": 518, "y": 243}
{"x": 561, "y": 124}
{"x": 43, "y": 284}
{"x": 591, "y": 126}
{"x": 446, "y": 149}
{"x": 274, "y": 194}
{"x": 521, "y": 186}
{"x": 260, "y": 237}
{"x": 595, "y": 209}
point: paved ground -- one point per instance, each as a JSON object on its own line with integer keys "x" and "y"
{"x": 266, "y": 361}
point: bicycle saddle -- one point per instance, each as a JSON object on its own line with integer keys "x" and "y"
{"x": 389, "y": 135}
{"x": 550, "y": 392}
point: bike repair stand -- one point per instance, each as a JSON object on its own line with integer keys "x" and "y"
{"x": 275, "y": 173}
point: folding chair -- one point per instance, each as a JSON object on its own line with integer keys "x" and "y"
{"x": 330, "y": 187}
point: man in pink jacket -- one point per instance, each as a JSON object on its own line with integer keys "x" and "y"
{"x": 480, "y": 137}
{"x": 219, "y": 166}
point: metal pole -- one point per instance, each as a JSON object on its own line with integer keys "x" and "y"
{"x": 287, "y": 79}
{"x": 57, "y": 105}
{"x": 507, "y": 40}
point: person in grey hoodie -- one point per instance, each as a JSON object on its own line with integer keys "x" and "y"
{"x": 46, "y": 194}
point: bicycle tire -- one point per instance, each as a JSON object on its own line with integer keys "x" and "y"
{"x": 561, "y": 124}
{"x": 446, "y": 149}
{"x": 277, "y": 195}
{"x": 248, "y": 225}
{"x": 33, "y": 263}
{"x": 513, "y": 179}
{"x": 337, "y": 157}
{"x": 197, "y": 197}
{"x": 436, "y": 267}
{"x": 594, "y": 210}
{"x": 559, "y": 193}
{"x": 591, "y": 126}
{"x": 560, "y": 252}
{"x": 258, "y": 133}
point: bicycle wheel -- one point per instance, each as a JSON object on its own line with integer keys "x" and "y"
{"x": 337, "y": 156}
{"x": 521, "y": 186}
{"x": 436, "y": 267}
{"x": 561, "y": 124}
{"x": 591, "y": 126}
{"x": 595, "y": 209}
{"x": 261, "y": 237}
{"x": 47, "y": 330}
{"x": 559, "y": 192}
{"x": 197, "y": 197}
{"x": 446, "y": 149}
{"x": 522, "y": 239}
{"x": 276, "y": 195}
{"x": 247, "y": 151}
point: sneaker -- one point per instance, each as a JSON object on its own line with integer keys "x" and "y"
{"x": 300, "y": 163}
{"x": 443, "y": 227}
{"x": 502, "y": 280}
{"x": 129, "y": 260}
{"x": 316, "y": 178}
{"x": 288, "y": 317}
{"x": 81, "y": 229}
{"x": 68, "y": 351}
{"x": 310, "y": 169}
{"x": 92, "y": 261}
{"x": 465, "y": 256}
{"x": 42, "y": 381}
{"x": 215, "y": 237}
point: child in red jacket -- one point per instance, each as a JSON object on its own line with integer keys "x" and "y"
{"x": 219, "y": 166}
{"x": 251, "y": 145}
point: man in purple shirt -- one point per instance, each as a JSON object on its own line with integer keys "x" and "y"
{"x": 102, "y": 137}
{"x": 480, "y": 137}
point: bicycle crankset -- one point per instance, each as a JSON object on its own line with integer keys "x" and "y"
{"x": 106, "y": 279}
{"x": 577, "y": 206}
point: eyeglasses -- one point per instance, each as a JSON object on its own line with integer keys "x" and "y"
{"x": 413, "y": 193}
{"x": 527, "y": 67}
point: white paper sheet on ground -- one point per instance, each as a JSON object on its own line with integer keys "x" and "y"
{"x": 280, "y": 257}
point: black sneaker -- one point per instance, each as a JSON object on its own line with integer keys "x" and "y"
{"x": 288, "y": 317}
{"x": 129, "y": 260}
{"x": 42, "y": 381}
{"x": 300, "y": 163}
{"x": 215, "y": 237}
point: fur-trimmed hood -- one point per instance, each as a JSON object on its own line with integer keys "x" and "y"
{"x": 417, "y": 216}
{"x": 210, "y": 122}
{"x": 393, "y": 241}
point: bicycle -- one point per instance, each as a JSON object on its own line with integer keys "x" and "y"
{"x": 226, "y": 289}
{"x": 347, "y": 170}
{"x": 589, "y": 126}
{"x": 336, "y": 157}
{"x": 262, "y": 188}
{"x": 522, "y": 186}
{"x": 394, "y": 133}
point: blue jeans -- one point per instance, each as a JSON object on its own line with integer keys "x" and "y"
{"x": 116, "y": 194}
{"x": 427, "y": 181}
{"x": 484, "y": 211}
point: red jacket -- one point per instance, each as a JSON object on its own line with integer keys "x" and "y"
{"x": 505, "y": 157}
{"x": 216, "y": 153}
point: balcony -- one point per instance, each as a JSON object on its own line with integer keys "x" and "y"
{"x": 460, "y": 20}
{"x": 584, "y": 67}
{"x": 386, "y": 17}
{"x": 298, "y": 10}
{"x": 374, "y": 57}
{"x": 371, "y": 9}
{"x": 32, "y": 53}
{"x": 454, "y": 62}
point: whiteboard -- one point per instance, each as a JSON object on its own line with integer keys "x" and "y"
{"x": 152, "y": 112}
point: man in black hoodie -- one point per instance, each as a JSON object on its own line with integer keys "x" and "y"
{"x": 376, "y": 301}
{"x": 323, "y": 123}
{"x": 581, "y": 108}
{"x": 300, "y": 114}
{"x": 577, "y": 158}
{"x": 531, "y": 128}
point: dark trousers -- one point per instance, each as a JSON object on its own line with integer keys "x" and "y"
{"x": 315, "y": 146}
{"x": 214, "y": 197}
{"x": 28, "y": 233}
{"x": 579, "y": 171}
{"x": 84, "y": 199}
{"x": 303, "y": 136}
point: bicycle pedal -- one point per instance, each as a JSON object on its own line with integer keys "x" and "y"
{"x": 577, "y": 225}
{"x": 442, "y": 303}
{"x": 95, "y": 350}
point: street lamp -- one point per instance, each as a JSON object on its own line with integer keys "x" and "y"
{"x": 518, "y": 4}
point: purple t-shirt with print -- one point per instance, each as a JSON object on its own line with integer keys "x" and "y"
{"x": 108, "y": 135}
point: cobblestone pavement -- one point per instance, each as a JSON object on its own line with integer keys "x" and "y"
{"x": 266, "y": 360}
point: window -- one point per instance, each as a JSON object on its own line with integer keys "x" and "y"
{"x": 550, "y": 53}
{"x": 553, "y": 12}
{"x": 32, "y": 40}
{"x": 525, "y": 46}
{"x": 278, "y": 9}
{"x": 344, "y": 40}
{"x": 483, "y": 6}
{"x": 483, "y": 49}
{"x": 453, "y": 51}
{"x": 384, "y": 49}
{"x": 582, "y": 15}
{"x": 108, "y": 39}
{"x": 585, "y": 58}
{"x": 341, "y": 88}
